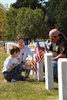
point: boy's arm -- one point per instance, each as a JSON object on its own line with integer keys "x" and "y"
{"x": 13, "y": 67}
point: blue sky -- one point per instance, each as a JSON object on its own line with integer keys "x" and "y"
{"x": 7, "y": 1}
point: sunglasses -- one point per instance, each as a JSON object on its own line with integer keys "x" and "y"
{"x": 53, "y": 37}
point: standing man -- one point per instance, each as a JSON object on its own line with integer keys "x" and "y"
{"x": 60, "y": 50}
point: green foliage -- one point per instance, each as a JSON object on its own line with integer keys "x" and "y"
{"x": 26, "y": 21}
{"x": 11, "y": 17}
{"x": 26, "y": 3}
{"x": 2, "y": 21}
{"x": 61, "y": 17}
{"x": 33, "y": 4}
{"x": 56, "y": 10}
{"x": 50, "y": 11}
{"x": 31, "y": 23}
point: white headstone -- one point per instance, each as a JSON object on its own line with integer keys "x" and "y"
{"x": 8, "y": 46}
{"x": 39, "y": 74}
{"x": 62, "y": 78}
{"x": 40, "y": 71}
{"x": 34, "y": 73}
{"x": 48, "y": 71}
{"x": 33, "y": 52}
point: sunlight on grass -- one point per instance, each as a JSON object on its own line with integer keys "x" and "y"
{"x": 26, "y": 90}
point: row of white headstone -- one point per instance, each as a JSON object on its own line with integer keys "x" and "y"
{"x": 49, "y": 82}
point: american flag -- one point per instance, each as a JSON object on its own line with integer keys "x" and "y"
{"x": 39, "y": 54}
{"x": 45, "y": 47}
{"x": 34, "y": 66}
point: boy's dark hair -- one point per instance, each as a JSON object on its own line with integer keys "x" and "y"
{"x": 19, "y": 37}
{"x": 13, "y": 49}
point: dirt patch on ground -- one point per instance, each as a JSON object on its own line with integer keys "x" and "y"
{"x": 1, "y": 48}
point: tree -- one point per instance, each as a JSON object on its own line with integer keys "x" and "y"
{"x": 51, "y": 11}
{"x": 56, "y": 10}
{"x": 61, "y": 17}
{"x": 2, "y": 21}
{"x": 31, "y": 23}
{"x": 26, "y": 21}
{"x": 33, "y": 4}
{"x": 26, "y": 3}
{"x": 11, "y": 17}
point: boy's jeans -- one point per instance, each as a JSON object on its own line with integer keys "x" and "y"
{"x": 14, "y": 74}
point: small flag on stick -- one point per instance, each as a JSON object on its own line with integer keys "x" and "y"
{"x": 45, "y": 47}
{"x": 39, "y": 53}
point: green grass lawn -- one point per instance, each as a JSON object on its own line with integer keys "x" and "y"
{"x": 26, "y": 90}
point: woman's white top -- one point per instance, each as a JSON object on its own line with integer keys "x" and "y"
{"x": 25, "y": 53}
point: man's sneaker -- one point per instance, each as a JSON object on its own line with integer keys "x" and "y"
{"x": 13, "y": 80}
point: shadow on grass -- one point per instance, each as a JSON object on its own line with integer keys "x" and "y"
{"x": 34, "y": 81}
{"x": 55, "y": 88}
{"x": 31, "y": 80}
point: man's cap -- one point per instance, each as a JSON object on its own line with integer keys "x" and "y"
{"x": 54, "y": 32}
